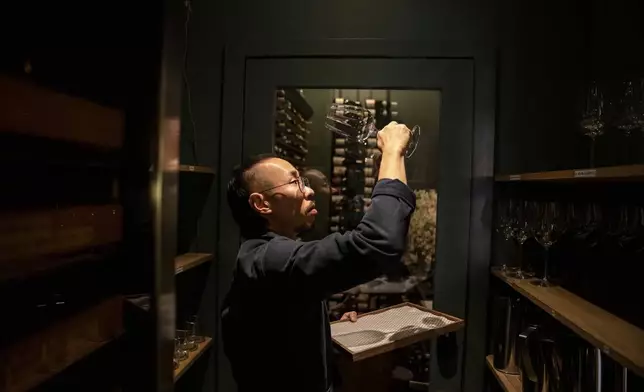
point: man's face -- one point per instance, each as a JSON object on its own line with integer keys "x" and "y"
{"x": 279, "y": 194}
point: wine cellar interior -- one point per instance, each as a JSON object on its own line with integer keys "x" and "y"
{"x": 121, "y": 123}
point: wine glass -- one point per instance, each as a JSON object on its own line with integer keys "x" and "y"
{"x": 355, "y": 122}
{"x": 180, "y": 353}
{"x": 504, "y": 225}
{"x": 193, "y": 328}
{"x": 628, "y": 117}
{"x": 584, "y": 222}
{"x": 592, "y": 119}
{"x": 547, "y": 231}
{"x": 520, "y": 232}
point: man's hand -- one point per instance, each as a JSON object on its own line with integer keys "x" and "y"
{"x": 393, "y": 138}
{"x": 353, "y": 316}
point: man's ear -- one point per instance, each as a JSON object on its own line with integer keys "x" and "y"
{"x": 259, "y": 203}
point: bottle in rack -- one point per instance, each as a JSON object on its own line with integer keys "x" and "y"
{"x": 339, "y": 170}
{"x": 339, "y": 180}
{"x": 346, "y": 160}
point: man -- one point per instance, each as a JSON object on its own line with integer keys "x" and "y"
{"x": 275, "y": 326}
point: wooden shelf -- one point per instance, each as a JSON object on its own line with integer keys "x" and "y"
{"x": 509, "y": 382}
{"x": 617, "y": 338}
{"x": 192, "y": 358}
{"x": 29, "y": 109}
{"x": 190, "y": 260}
{"x": 32, "y": 360}
{"x": 196, "y": 169}
{"x": 610, "y": 173}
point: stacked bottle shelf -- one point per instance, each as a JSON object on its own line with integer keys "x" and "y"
{"x": 292, "y": 124}
{"x": 353, "y": 178}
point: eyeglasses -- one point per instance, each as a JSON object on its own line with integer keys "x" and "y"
{"x": 302, "y": 183}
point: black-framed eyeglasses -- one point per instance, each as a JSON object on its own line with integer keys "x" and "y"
{"x": 302, "y": 183}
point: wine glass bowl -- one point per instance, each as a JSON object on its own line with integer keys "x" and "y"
{"x": 592, "y": 118}
{"x": 351, "y": 120}
{"x": 549, "y": 227}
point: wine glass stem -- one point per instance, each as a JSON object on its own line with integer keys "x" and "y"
{"x": 592, "y": 151}
{"x": 545, "y": 264}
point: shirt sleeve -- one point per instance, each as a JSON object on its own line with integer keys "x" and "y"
{"x": 341, "y": 261}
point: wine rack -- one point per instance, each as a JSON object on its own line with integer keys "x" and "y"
{"x": 292, "y": 127}
{"x": 353, "y": 178}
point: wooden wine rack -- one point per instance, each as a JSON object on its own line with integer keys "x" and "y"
{"x": 292, "y": 127}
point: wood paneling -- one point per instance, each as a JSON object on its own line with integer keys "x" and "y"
{"x": 36, "y": 358}
{"x": 28, "y": 239}
{"x": 28, "y": 109}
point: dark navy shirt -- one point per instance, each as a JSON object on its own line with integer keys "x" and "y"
{"x": 275, "y": 326}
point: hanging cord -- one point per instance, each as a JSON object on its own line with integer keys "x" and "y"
{"x": 186, "y": 82}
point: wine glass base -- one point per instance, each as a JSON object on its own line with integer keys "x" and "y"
{"x": 517, "y": 274}
{"x": 542, "y": 283}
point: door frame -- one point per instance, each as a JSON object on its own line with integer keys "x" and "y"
{"x": 483, "y": 134}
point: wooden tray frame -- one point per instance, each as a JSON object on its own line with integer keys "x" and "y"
{"x": 407, "y": 341}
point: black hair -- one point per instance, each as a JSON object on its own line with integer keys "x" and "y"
{"x": 249, "y": 221}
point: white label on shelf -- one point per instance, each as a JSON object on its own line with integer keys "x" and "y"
{"x": 515, "y": 177}
{"x": 178, "y": 270}
{"x": 191, "y": 168}
{"x": 585, "y": 173}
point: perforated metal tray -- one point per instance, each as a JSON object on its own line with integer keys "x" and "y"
{"x": 391, "y": 328}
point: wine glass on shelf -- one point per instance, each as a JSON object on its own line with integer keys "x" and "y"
{"x": 504, "y": 225}
{"x": 193, "y": 328}
{"x": 592, "y": 119}
{"x": 584, "y": 222}
{"x": 520, "y": 232}
{"x": 549, "y": 227}
{"x": 351, "y": 120}
{"x": 628, "y": 117}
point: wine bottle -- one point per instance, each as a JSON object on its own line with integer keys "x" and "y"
{"x": 368, "y": 171}
{"x": 370, "y": 103}
{"x": 372, "y": 142}
{"x": 334, "y": 229}
{"x": 280, "y": 93}
{"x": 339, "y": 161}
{"x": 370, "y": 181}
{"x": 340, "y": 141}
{"x": 337, "y": 199}
{"x": 339, "y": 170}
{"x": 368, "y": 190}
{"x": 337, "y": 219}
{"x": 339, "y": 180}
